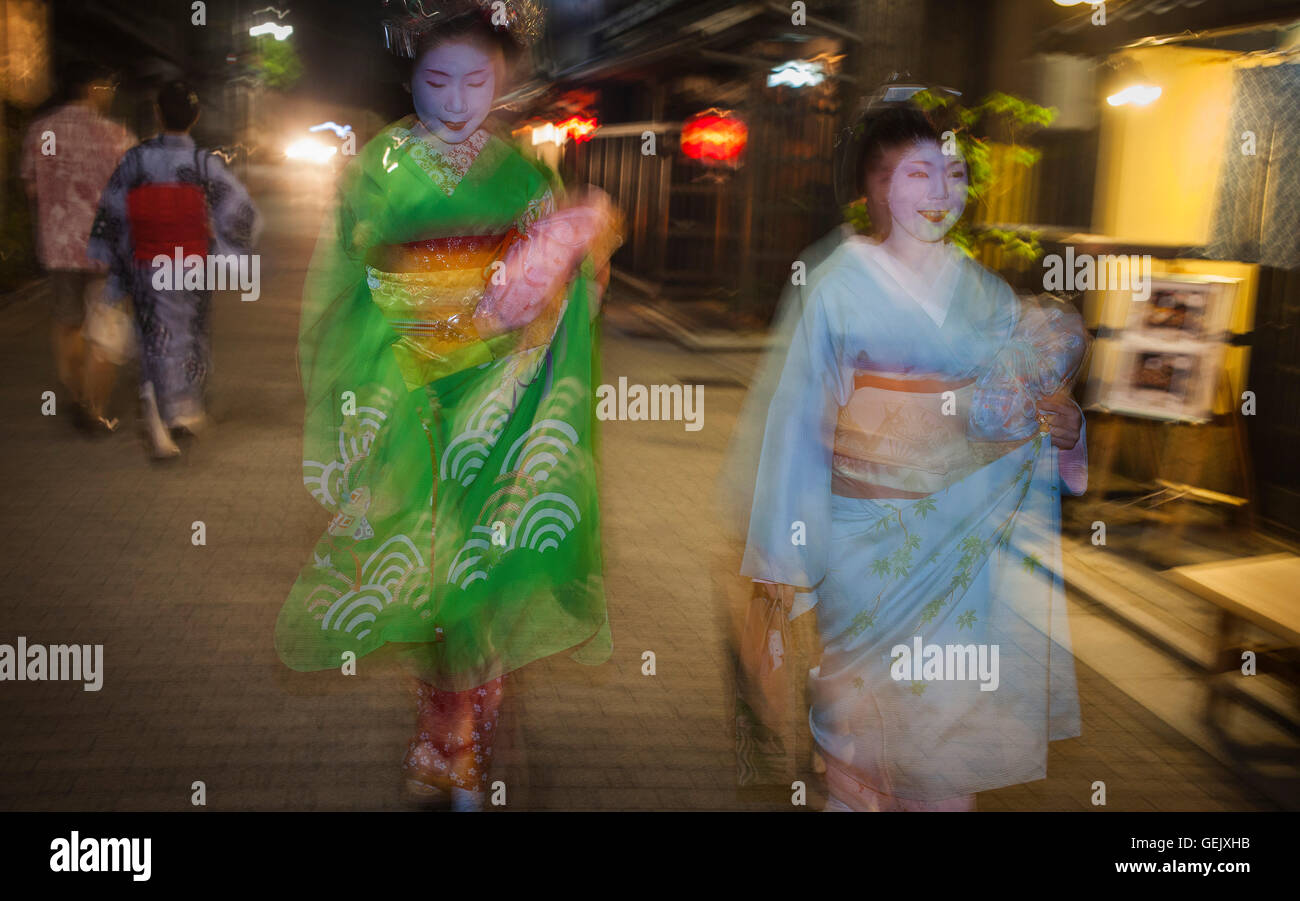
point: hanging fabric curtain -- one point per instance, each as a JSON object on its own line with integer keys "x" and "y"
{"x": 1257, "y": 209}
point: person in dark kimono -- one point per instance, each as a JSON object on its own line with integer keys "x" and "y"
{"x": 170, "y": 210}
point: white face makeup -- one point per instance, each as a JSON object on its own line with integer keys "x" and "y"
{"x": 927, "y": 192}
{"x": 453, "y": 85}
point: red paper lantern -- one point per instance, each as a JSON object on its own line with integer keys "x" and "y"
{"x": 714, "y": 136}
{"x": 578, "y": 127}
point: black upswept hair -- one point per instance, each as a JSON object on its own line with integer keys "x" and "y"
{"x": 888, "y": 128}
{"x": 178, "y": 104}
{"x": 80, "y": 75}
{"x": 472, "y": 26}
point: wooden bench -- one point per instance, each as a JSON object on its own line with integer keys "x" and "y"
{"x": 1264, "y": 592}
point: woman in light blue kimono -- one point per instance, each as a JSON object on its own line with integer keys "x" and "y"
{"x": 903, "y": 445}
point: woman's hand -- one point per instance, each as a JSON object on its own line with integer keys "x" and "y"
{"x": 1066, "y": 419}
{"x": 537, "y": 266}
{"x": 508, "y": 311}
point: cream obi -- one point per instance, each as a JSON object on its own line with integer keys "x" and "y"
{"x": 902, "y": 437}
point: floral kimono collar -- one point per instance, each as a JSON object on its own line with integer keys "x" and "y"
{"x": 445, "y": 164}
{"x": 933, "y": 296}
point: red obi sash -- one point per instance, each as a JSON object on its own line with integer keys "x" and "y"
{"x": 442, "y": 254}
{"x": 167, "y": 216}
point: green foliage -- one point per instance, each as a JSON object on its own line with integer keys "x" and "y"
{"x": 862, "y": 622}
{"x": 278, "y": 63}
{"x": 931, "y": 610}
{"x": 1019, "y": 243}
{"x": 923, "y": 507}
{"x": 974, "y": 546}
{"x": 902, "y": 561}
{"x": 1025, "y": 471}
{"x": 1017, "y": 114}
{"x": 855, "y": 214}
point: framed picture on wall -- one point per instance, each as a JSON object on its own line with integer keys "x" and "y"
{"x": 1166, "y": 362}
{"x": 1161, "y": 385}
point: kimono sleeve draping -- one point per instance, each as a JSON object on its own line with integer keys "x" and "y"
{"x": 790, "y": 528}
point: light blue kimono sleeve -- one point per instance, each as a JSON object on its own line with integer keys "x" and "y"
{"x": 790, "y": 519}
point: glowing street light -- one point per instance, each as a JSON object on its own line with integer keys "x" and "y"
{"x": 340, "y": 130}
{"x": 1136, "y": 94}
{"x": 279, "y": 32}
{"x": 578, "y": 127}
{"x": 310, "y": 150}
{"x": 1129, "y": 85}
{"x": 547, "y": 132}
{"x": 797, "y": 73}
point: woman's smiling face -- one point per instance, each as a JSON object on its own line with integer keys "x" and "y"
{"x": 453, "y": 85}
{"x": 927, "y": 191}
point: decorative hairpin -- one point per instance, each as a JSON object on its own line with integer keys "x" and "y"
{"x": 407, "y": 21}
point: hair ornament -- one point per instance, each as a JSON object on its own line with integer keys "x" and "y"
{"x": 407, "y": 21}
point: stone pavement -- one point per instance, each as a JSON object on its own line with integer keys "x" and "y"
{"x": 98, "y": 551}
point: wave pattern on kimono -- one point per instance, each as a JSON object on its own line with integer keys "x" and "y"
{"x": 168, "y": 194}
{"x": 924, "y": 550}
{"x": 414, "y": 419}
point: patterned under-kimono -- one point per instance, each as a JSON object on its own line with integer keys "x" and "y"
{"x": 906, "y": 490}
{"x": 166, "y": 194}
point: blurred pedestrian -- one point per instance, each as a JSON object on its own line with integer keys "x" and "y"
{"x": 170, "y": 201}
{"x": 67, "y": 158}
{"x": 912, "y": 435}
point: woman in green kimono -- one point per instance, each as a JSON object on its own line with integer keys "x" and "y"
{"x": 447, "y": 351}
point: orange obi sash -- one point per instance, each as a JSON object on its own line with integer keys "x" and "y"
{"x": 428, "y": 290}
